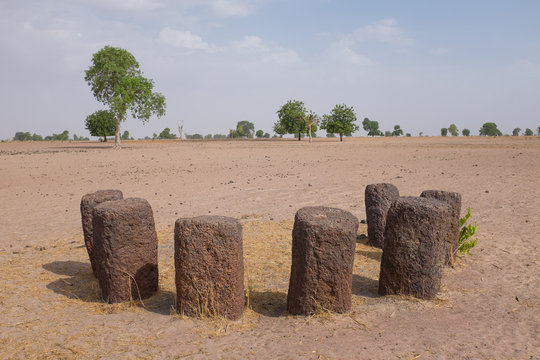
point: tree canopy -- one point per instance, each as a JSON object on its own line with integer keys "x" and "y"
{"x": 293, "y": 119}
{"x": 166, "y": 134}
{"x": 101, "y": 123}
{"x": 453, "y": 130}
{"x": 372, "y": 127}
{"x": 397, "y": 131}
{"x": 116, "y": 81}
{"x": 528, "y": 132}
{"x": 340, "y": 121}
{"x": 466, "y": 132}
{"x": 444, "y": 132}
{"x": 516, "y": 132}
{"x": 490, "y": 129}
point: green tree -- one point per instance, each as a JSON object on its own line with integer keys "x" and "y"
{"x": 340, "y": 121}
{"x": 372, "y": 127}
{"x": 117, "y": 81}
{"x": 37, "y": 137}
{"x": 453, "y": 130}
{"x": 22, "y": 136}
{"x": 101, "y": 123}
{"x": 293, "y": 119}
{"x": 466, "y": 132}
{"x": 388, "y": 133}
{"x": 516, "y": 132}
{"x": 528, "y": 132}
{"x": 490, "y": 129}
{"x": 397, "y": 131}
{"x": 125, "y": 135}
{"x": 166, "y": 134}
{"x": 444, "y": 132}
{"x": 266, "y": 136}
{"x": 259, "y": 134}
{"x": 248, "y": 129}
{"x": 279, "y": 129}
{"x": 408, "y": 134}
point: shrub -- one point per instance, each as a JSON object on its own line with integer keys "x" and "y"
{"x": 465, "y": 233}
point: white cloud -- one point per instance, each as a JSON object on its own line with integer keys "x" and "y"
{"x": 128, "y": 5}
{"x": 440, "y": 51}
{"x": 342, "y": 50}
{"x": 250, "y": 43}
{"x": 183, "y": 39}
{"x": 386, "y": 30}
{"x": 254, "y": 45}
{"x": 228, "y": 8}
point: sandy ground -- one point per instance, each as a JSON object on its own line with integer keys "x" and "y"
{"x": 50, "y": 304}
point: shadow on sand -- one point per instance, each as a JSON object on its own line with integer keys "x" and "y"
{"x": 82, "y": 285}
{"x": 268, "y": 303}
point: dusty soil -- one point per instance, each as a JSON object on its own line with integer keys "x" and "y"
{"x": 50, "y": 304}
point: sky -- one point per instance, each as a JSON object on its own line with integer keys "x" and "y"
{"x": 422, "y": 65}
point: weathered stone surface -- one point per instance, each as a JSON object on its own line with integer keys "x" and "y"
{"x": 88, "y": 202}
{"x": 378, "y": 198}
{"x": 125, "y": 249}
{"x": 323, "y": 246}
{"x": 453, "y": 199}
{"x": 416, "y": 231}
{"x": 209, "y": 263}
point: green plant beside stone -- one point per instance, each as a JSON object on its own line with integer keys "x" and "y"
{"x": 465, "y": 233}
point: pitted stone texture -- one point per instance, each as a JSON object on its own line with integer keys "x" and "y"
{"x": 378, "y": 198}
{"x": 416, "y": 231}
{"x": 125, "y": 249}
{"x": 453, "y": 199}
{"x": 323, "y": 245}
{"x": 88, "y": 202}
{"x": 209, "y": 263}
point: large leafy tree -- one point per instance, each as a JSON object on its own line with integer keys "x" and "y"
{"x": 453, "y": 130}
{"x": 444, "y": 131}
{"x": 466, "y": 132}
{"x": 340, "y": 121}
{"x": 528, "y": 132}
{"x": 490, "y": 129}
{"x": 117, "y": 81}
{"x": 397, "y": 131}
{"x": 294, "y": 119}
{"x": 516, "y": 132}
{"x": 372, "y": 127}
{"x": 101, "y": 123}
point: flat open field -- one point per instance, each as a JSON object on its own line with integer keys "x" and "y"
{"x": 50, "y": 305}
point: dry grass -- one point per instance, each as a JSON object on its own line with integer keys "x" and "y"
{"x": 60, "y": 280}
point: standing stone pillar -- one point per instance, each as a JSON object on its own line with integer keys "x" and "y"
{"x": 88, "y": 202}
{"x": 125, "y": 249}
{"x": 209, "y": 263}
{"x": 416, "y": 231}
{"x": 453, "y": 199}
{"x": 378, "y": 198}
{"x": 323, "y": 245}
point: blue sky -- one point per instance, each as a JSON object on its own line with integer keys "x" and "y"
{"x": 420, "y": 64}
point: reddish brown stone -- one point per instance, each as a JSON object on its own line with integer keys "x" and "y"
{"x": 323, "y": 246}
{"x": 453, "y": 199}
{"x": 378, "y": 198}
{"x": 88, "y": 202}
{"x": 125, "y": 249}
{"x": 209, "y": 265}
{"x": 416, "y": 231}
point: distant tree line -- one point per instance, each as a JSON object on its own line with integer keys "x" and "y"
{"x": 63, "y": 136}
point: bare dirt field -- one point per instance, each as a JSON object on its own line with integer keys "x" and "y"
{"x": 50, "y": 304}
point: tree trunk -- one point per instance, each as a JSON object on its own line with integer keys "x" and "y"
{"x": 104, "y": 138}
{"x": 299, "y": 136}
{"x": 117, "y": 142}
{"x": 340, "y": 137}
